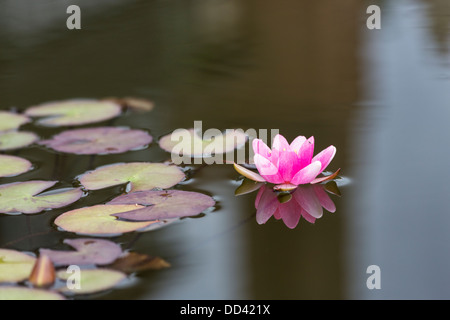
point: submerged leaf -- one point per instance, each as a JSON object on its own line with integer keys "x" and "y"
{"x": 138, "y": 262}
{"x": 247, "y": 186}
{"x": 11, "y": 121}
{"x": 99, "y": 220}
{"x": 43, "y": 273}
{"x": 74, "y": 112}
{"x": 101, "y": 140}
{"x": 88, "y": 251}
{"x": 15, "y": 266}
{"x": 13, "y": 166}
{"x": 23, "y": 197}
{"x": 187, "y": 142}
{"x": 93, "y": 280}
{"x": 135, "y": 104}
{"x": 141, "y": 176}
{"x": 163, "y": 204}
{"x": 23, "y": 293}
{"x": 10, "y": 140}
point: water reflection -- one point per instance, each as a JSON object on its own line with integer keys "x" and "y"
{"x": 307, "y": 201}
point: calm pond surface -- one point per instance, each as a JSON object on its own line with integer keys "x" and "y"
{"x": 312, "y": 68}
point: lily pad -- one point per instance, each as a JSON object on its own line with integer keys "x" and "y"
{"x": 138, "y": 262}
{"x": 141, "y": 176}
{"x": 163, "y": 204}
{"x": 74, "y": 112}
{"x": 93, "y": 280}
{"x": 188, "y": 142}
{"x": 24, "y": 197}
{"x": 15, "y": 266}
{"x": 10, "y": 140}
{"x": 101, "y": 140}
{"x": 23, "y": 293}
{"x": 88, "y": 251}
{"x": 99, "y": 219}
{"x": 11, "y": 121}
{"x": 12, "y": 166}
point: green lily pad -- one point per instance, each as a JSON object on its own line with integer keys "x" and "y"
{"x": 160, "y": 205}
{"x": 93, "y": 280}
{"x": 24, "y": 197}
{"x": 101, "y": 140}
{"x": 13, "y": 166}
{"x": 74, "y": 112}
{"x": 99, "y": 220}
{"x": 10, "y": 140}
{"x": 23, "y": 293}
{"x": 11, "y": 121}
{"x": 188, "y": 143}
{"x": 141, "y": 176}
{"x": 15, "y": 266}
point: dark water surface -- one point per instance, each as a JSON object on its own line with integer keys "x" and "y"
{"x": 382, "y": 97}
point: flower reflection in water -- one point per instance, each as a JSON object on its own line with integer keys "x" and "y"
{"x": 306, "y": 201}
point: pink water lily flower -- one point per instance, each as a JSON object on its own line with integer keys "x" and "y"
{"x": 289, "y": 165}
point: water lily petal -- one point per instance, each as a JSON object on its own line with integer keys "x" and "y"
{"x": 306, "y": 152}
{"x": 325, "y": 157}
{"x": 307, "y": 174}
{"x": 297, "y": 143}
{"x": 259, "y": 147}
{"x": 267, "y": 206}
{"x": 248, "y": 173}
{"x": 308, "y": 217}
{"x": 324, "y": 200}
{"x": 267, "y": 169}
{"x": 288, "y": 165}
{"x": 307, "y": 199}
{"x": 290, "y": 213}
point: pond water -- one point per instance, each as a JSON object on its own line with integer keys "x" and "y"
{"x": 305, "y": 68}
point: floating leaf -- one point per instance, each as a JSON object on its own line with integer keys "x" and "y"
{"x": 15, "y": 266}
{"x": 43, "y": 273}
{"x": 138, "y": 262}
{"x": 99, "y": 220}
{"x": 11, "y": 121}
{"x": 101, "y": 140}
{"x": 136, "y": 104}
{"x": 23, "y": 197}
{"x": 163, "y": 204}
{"x": 88, "y": 251}
{"x": 74, "y": 112}
{"x": 93, "y": 280}
{"x": 187, "y": 142}
{"x": 140, "y": 175}
{"x": 23, "y": 293}
{"x": 10, "y": 140}
{"x": 12, "y": 166}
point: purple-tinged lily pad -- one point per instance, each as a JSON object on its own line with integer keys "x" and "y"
{"x": 141, "y": 176}
{"x": 101, "y": 140}
{"x": 99, "y": 220}
{"x": 12, "y": 166}
{"x": 163, "y": 204}
{"x": 188, "y": 143}
{"x": 88, "y": 251}
{"x": 74, "y": 112}
{"x": 92, "y": 280}
{"x": 10, "y": 140}
{"x": 11, "y": 121}
{"x": 24, "y": 197}
{"x": 15, "y": 266}
{"x": 24, "y": 293}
